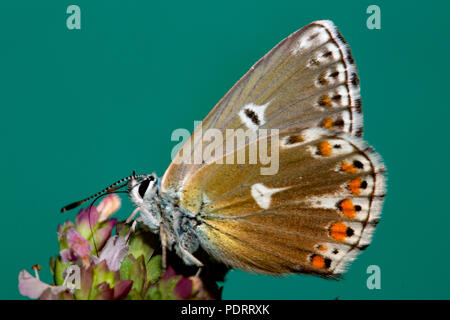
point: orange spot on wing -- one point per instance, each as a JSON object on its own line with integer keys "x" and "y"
{"x": 328, "y": 123}
{"x": 325, "y": 101}
{"x": 322, "y": 248}
{"x": 355, "y": 186}
{"x": 348, "y": 208}
{"x": 325, "y": 148}
{"x": 348, "y": 167}
{"x": 318, "y": 261}
{"x": 338, "y": 231}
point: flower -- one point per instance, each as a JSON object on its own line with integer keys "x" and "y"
{"x": 79, "y": 246}
{"x": 92, "y": 224}
{"x": 33, "y": 288}
{"x": 108, "y": 206}
{"x": 94, "y": 264}
{"x": 114, "y": 251}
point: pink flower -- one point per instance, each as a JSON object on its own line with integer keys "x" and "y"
{"x": 33, "y": 288}
{"x": 108, "y": 206}
{"x": 86, "y": 220}
{"x": 103, "y": 232}
{"x": 115, "y": 250}
{"x": 78, "y": 244}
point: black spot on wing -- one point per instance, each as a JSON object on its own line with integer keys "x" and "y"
{"x": 252, "y": 116}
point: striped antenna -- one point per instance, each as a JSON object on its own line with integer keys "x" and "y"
{"x": 115, "y": 186}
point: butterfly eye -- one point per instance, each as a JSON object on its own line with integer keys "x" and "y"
{"x": 143, "y": 186}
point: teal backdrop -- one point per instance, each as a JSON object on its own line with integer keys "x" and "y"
{"x": 82, "y": 108}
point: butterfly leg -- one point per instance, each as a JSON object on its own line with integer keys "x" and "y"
{"x": 132, "y": 215}
{"x": 198, "y": 272}
{"x": 188, "y": 257}
{"x": 132, "y": 230}
{"x": 164, "y": 246}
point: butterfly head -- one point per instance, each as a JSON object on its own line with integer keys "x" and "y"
{"x": 142, "y": 188}
{"x": 143, "y": 191}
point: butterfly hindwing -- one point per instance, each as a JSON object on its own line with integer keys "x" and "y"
{"x": 313, "y": 216}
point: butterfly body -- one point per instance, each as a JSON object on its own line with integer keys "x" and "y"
{"x": 159, "y": 212}
{"x": 319, "y": 208}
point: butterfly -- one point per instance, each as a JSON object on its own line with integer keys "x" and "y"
{"x": 313, "y": 214}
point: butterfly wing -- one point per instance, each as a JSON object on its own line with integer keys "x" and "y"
{"x": 314, "y": 216}
{"x": 319, "y": 210}
{"x": 309, "y": 79}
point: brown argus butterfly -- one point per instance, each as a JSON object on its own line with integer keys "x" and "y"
{"x": 317, "y": 207}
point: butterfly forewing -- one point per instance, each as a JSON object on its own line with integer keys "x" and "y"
{"x": 309, "y": 79}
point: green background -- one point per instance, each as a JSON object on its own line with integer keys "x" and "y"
{"x": 82, "y": 108}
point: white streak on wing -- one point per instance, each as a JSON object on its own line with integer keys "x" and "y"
{"x": 319, "y": 36}
{"x": 263, "y": 194}
{"x": 326, "y": 202}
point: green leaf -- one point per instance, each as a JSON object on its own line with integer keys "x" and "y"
{"x": 86, "y": 275}
{"x": 166, "y": 288}
{"x": 101, "y": 274}
{"x": 134, "y": 295}
{"x": 125, "y": 267}
{"x": 134, "y": 269}
{"x": 58, "y": 267}
{"x": 139, "y": 246}
{"x": 138, "y": 274}
{"x": 122, "y": 228}
{"x": 154, "y": 269}
{"x": 153, "y": 293}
